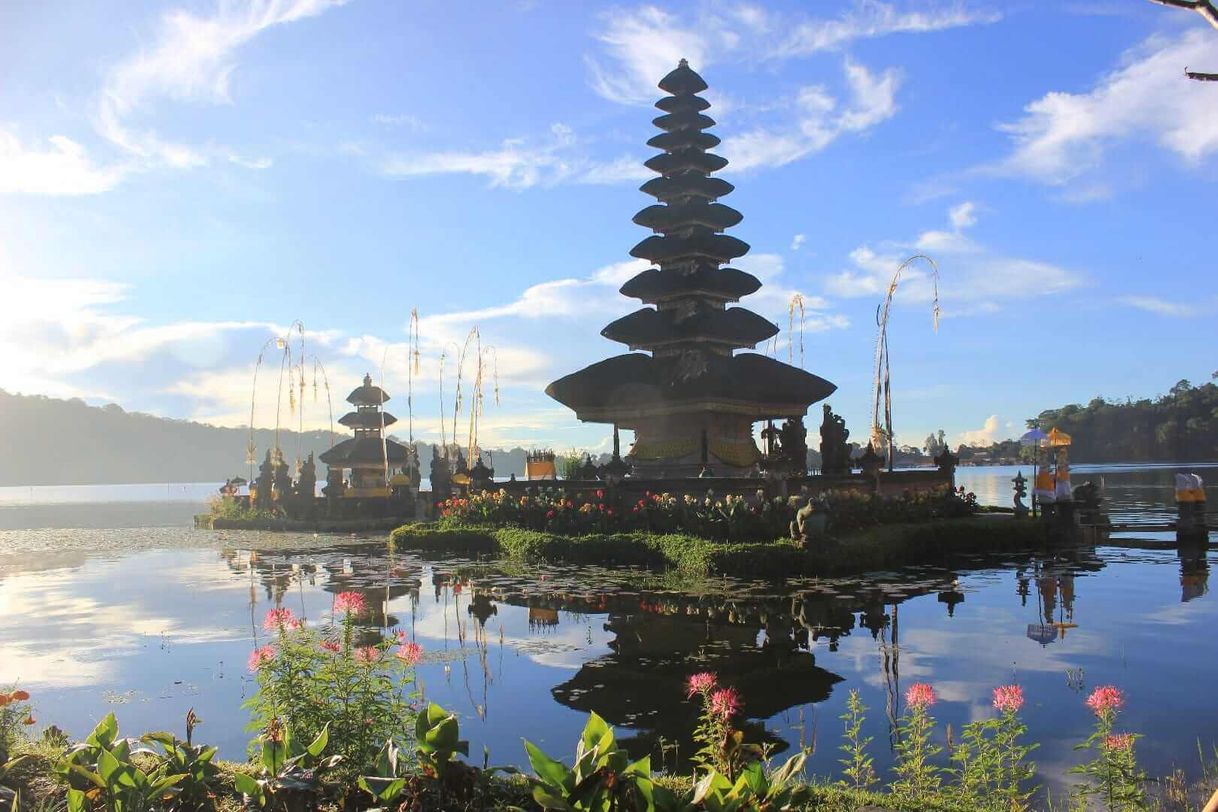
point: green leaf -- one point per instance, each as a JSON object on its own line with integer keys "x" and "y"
{"x": 248, "y": 786}
{"x": 547, "y": 769}
{"x": 642, "y": 767}
{"x": 90, "y": 776}
{"x": 318, "y": 744}
{"x": 547, "y": 801}
{"x": 77, "y": 801}
{"x": 384, "y": 790}
{"x": 160, "y": 737}
{"x": 103, "y": 735}
{"x": 595, "y": 732}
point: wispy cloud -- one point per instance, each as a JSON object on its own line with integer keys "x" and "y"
{"x": 974, "y": 278}
{"x": 1161, "y": 307}
{"x": 64, "y": 168}
{"x": 818, "y": 120}
{"x": 1063, "y": 136}
{"x": 639, "y": 45}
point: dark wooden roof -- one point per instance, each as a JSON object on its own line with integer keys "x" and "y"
{"x": 682, "y": 186}
{"x": 649, "y": 328}
{"x": 679, "y": 104}
{"x": 364, "y": 451}
{"x": 682, "y": 80}
{"x": 700, "y": 244}
{"x": 714, "y": 216}
{"x": 636, "y": 383}
{"x": 368, "y": 395}
{"x": 725, "y": 284}
{"x": 683, "y": 120}
{"x": 687, "y": 160}
{"x": 683, "y": 139}
{"x": 367, "y": 419}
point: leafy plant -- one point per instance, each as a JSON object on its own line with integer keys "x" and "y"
{"x": 857, "y": 766}
{"x": 387, "y": 782}
{"x": 602, "y": 778}
{"x": 755, "y": 788}
{"x": 1115, "y": 776}
{"x": 101, "y": 771}
{"x": 438, "y": 740}
{"x": 197, "y": 790}
{"x": 289, "y": 774}
{"x": 15, "y": 716}
{"x": 917, "y": 776}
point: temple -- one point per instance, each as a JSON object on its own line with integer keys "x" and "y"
{"x": 690, "y": 397}
{"x": 372, "y": 460}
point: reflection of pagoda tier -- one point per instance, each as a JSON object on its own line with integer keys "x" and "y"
{"x": 694, "y": 397}
{"x": 642, "y": 683}
{"x": 656, "y": 329}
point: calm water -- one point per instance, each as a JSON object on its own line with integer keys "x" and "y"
{"x": 151, "y": 620}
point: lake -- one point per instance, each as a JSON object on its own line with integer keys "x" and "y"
{"x": 116, "y": 603}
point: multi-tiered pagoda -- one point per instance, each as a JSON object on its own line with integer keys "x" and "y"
{"x": 693, "y": 399}
{"x": 368, "y": 455}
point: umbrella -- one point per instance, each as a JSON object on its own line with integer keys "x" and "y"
{"x": 1033, "y": 437}
{"x": 1058, "y": 438}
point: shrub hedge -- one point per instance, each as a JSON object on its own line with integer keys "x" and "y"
{"x": 872, "y": 548}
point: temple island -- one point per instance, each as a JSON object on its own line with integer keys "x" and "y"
{"x": 691, "y": 386}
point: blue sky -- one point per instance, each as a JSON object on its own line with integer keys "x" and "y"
{"x": 179, "y": 182}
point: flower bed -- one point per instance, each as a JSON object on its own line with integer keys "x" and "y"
{"x": 722, "y": 518}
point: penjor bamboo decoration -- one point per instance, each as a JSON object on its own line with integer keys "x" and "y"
{"x": 797, "y": 304}
{"x": 883, "y": 436}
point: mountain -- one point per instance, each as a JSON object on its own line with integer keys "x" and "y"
{"x": 46, "y": 441}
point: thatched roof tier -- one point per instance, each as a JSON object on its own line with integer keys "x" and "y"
{"x": 680, "y": 187}
{"x": 682, "y": 104}
{"x": 714, "y": 216}
{"x": 701, "y": 244}
{"x": 652, "y": 329}
{"x": 687, "y": 160}
{"x": 368, "y": 395}
{"x": 682, "y": 81}
{"x": 722, "y": 284}
{"x": 683, "y": 120}
{"x": 367, "y": 419}
{"x": 683, "y": 139}
{"x": 625, "y": 388}
{"x": 364, "y": 451}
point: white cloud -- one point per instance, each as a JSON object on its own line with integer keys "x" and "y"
{"x": 641, "y": 45}
{"x": 974, "y": 278}
{"x": 797, "y": 242}
{"x": 988, "y": 434}
{"x": 65, "y": 168}
{"x": 191, "y": 59}
{"x": 818, "y": 120}
{"x": 1065, "y": 135}
{"x": 1160, "y": 307}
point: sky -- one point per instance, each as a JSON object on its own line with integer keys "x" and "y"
{"x": 181, "y": 182}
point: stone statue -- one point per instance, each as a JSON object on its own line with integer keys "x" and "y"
{"x": 480, "y": 476}
{"x": 263, "y": 487}
{"x": 587, "y": 469}
{"x": 306, "y": 484}
{"x": 1021, "y": 491}
{"x": 412, "y": 468}
{"x": 282, "y": 477}
{"x": 441, "y": 476}
{"x": 461, "y": 466}
{"x": 808, "y": 524}
{"x": 795, "y": 444}
{"x": 834, "y": 448}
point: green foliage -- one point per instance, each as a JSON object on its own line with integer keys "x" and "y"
{"x": 1180, "y": 425}
{"x": 438, "y": 740}
{"x": 387, "y": 781}
{"x": 289, "y": 776}
{"x": 858, "y": 768}
{"x": 360, "y": 694}
{"x": 991, "y": 764}
{"x": 227, "y": 507}
{"x": 1114, "y": 776}
{"x": 197, "y": 790}
{"x": 101, "y": 772}
{"x": 603, "y": 777}
{"x": 755, "y": 788}
{"x": 15, "y": 716}
{"x": 917, "y": 775}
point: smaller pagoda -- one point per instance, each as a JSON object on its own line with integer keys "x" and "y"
{"x": 369, "y": 455}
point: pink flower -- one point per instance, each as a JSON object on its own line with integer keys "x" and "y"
{"x": 1119, "y": 741}
{"x": 350, "y": 603}
{"x": 367, "y": 655}
{"x": 410, "y": 653}
{"x": 1008, "y": 698}
{"x": 724, "y": 703}
{"x": 331, "y": 646}
{"x": 700, "y": 683}
{"x": 920, "y": 696}
{"x": 260, "y": 657}
{"x": 279, "y": 619}
{"x": 1104, "y": 699}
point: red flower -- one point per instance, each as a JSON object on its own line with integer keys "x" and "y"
{"x": 920, "y": 695}
{"x": 331, "y": 646}
{"x": 700, "y": 683}
{"x": 350, "y": 603}
{"x": 1008, "y": 698}
{"x": 609, "y": 512}
{"x": 278, "y": 619}
{"x": 600, "y": 494}
{"x": 410, "y": 653}
{"x": 550, "y": 514}
{"x": 1105, "y": 698}
{"x": 724, "y": 703}
{"x": 367, "y": 655}
{"x": 260, "y": 657}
